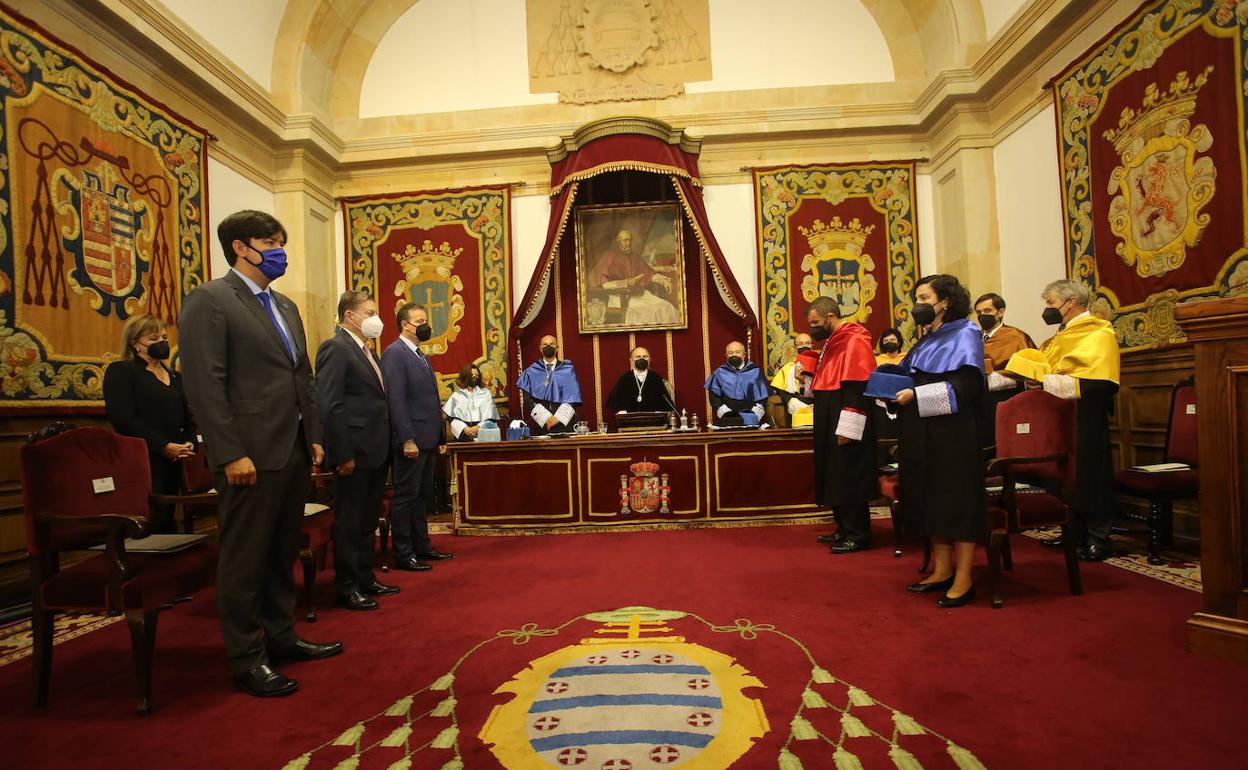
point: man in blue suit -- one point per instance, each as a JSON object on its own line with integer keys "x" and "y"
{"x": 416, "y": 434}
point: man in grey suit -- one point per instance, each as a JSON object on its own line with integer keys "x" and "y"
{"x": 351, "y": 396}
{"x": 249, "y": 383}
{"x": 416, "y": 430}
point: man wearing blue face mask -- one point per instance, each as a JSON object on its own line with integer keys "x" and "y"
{"x": 249, "y": 382}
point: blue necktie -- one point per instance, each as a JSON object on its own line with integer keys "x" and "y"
{"x": 267, "y": 301}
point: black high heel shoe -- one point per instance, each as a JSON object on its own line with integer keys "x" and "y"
{"x": 949, "y": 602}
{"x": 927, "y": 588}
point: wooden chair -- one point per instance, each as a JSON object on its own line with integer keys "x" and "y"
{"x": 316, "y": 532}
{"x": 1035, "y": 436}
{"x": 80, "y": 486}
{"x": 197, "y": 490}
{"x": 1162, "y": 489}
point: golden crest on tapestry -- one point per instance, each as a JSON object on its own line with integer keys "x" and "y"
{"x": 1163, "y": 182}
{"x": 429, "y": 280}
{"x": 837, "y": 268}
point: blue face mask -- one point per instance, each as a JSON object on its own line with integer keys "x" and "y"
{"x": 272, "y": 262}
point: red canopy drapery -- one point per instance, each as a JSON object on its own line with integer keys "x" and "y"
{"x": 715, "y": 317}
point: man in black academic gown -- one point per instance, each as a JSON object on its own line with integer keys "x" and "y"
{"x": 737, "y": 389}
{"x": 640, "y": 389}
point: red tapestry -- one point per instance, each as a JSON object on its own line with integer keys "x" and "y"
{"x": 1151, "y": 130}
{"x": 102, "y": 212}
{"x": 844, "y": 231}
{"x": 450, "y": 251}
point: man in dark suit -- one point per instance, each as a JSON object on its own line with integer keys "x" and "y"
{"x": 249, "y": 384}
{"x": 417, "y": 438}
{"x": 351, "y": 396}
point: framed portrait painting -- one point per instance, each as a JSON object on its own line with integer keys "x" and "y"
{"x": 630, "y": 268}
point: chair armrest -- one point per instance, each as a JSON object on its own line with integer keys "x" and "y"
{"x": 199, "y": 498}
{"x": 1000, "y": 465}
{"x": 130, "y": 526}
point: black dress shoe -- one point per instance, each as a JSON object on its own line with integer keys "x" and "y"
{"x": 263, "y": 681}
{"x": 411, "y": 564}
{"x": 831, "y": 539}
{"x": 377, "y": 588}
{"x": 1094, "y": 552}
{"x": 305, "y": 650}
{"x": 927, "y": 588}
{"x": 956, "y": 601}
{"x": 851, "y": 546}
{"x": 1056, "y": 542}
{"x": 433, "y": 554}
{"x": 356, "y": 600}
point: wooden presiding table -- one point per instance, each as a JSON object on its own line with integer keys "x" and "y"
{"x": 573, "y": 483}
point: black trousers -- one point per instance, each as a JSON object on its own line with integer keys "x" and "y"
{"x": 358, "y": 507}
{"x": 259, "y": 531}
{"x": 853, "y": 522}
{"x": 413, "y": 497}
{"x": 166, "y": 480}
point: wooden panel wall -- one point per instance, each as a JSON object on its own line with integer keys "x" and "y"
{"x": 1142, "y": 413}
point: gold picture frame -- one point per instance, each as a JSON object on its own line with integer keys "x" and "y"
{"x": 630, "y": 268}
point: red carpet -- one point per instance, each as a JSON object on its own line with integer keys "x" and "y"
{"x": 1099, "y": 681}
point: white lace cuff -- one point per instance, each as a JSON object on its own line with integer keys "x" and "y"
{"x": 998, "y": 381}
{"x": 1061, "y": 385}
{"x": 565, "y": 413}
{"x": 851, "y": 425}
{"x": 457, "y": 427}
{"x": 935, "y": 399}
{"x": 540, "y": 414}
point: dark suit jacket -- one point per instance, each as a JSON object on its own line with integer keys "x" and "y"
{"x": 247, "y": 396}
{"x": 352, "y": 403}
{"x": 415, "y": 406}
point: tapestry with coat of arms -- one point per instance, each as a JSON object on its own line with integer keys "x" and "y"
{"x": 449, "y": 251}
{"x": 1152, "y": 151}
{"x": 102, "y": 212}
{"x": 844, "y": 231}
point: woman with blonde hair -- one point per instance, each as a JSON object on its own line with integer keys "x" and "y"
{"x": 143, "y": 398}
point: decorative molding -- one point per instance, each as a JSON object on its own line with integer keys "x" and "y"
{"x": 623, "y": 125}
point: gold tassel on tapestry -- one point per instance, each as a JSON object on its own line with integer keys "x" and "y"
{"x": 821, "y": 676}
{"x": 398, "y": 737}
{"x": 351, "y": 736}
{"x": 813, "y": 700}
{"x": 845, "y": 761}
{"x": 454, "y": 764}
{"x": 298, "y": 763}
{"x": 963, "y": 758}
{"x": 788, "y": 761}
{"x": 350, "y": 763}
{"x": 445, "y": 708}
{"x": 906, "y": 725}
{"x": 446, "y": 738}
{"x": 903, "y": 759}
{"x": 403, "y": 764}
{"x": 444, "y": 682}
{"x": 853, "y": 727}
{"x": 802, "y": 730}
{"x": 400, "y": 708}
{"x": 859, "y": 697}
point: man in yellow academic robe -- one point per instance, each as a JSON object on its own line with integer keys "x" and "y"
{"x": 790, "y": 386}
{"x": 1082, "y": 362}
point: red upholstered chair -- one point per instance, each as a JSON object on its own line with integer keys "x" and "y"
{"x": 1035, "y": 437}
{"x": 1162, "y": 489}
{"x": 197, "y": 490}
{"x": 316, "y": 532}
{"x": 81, "y": 486}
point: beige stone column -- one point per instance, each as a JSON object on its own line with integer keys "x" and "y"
{"x": 965, "y": 200}
{"x": 304, "y": 202}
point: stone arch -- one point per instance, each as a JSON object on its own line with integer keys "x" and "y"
{"x": 324, "y": 47}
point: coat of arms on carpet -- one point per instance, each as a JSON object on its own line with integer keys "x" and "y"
{"x": 637, "y": 688}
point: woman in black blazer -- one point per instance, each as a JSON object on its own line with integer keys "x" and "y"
{"x": 143, "y": 398}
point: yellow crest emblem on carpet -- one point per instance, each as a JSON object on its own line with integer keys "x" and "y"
{"x": 633, "y": 696}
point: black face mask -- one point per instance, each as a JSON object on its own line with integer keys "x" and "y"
{"x": 987, "y": 322}
{"x": 735, "y": 361}
{"x": 476, "y": 382}
{"x": 924, "y": 314}
{"x": 641, "y": 364}
{"x": 803, "y": 348}
{"x": 158, "y": 351}
{"x": 820, "y": 333}
{"x": 1052, "y": 316}
{"x": 548, "y": 351}
{"x": 890, "y": 346}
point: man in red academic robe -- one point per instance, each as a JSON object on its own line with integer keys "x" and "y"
{"x": 845, "y": 472}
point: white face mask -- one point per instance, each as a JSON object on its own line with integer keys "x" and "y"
{"x": 371, "y": 327}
